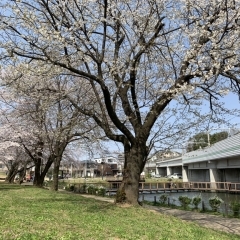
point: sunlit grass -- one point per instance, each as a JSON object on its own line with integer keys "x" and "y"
{"x": 34, "y": 213}
{"x": 105, "y": 180}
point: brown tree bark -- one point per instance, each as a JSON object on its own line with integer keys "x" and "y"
{"x": 40, "y": 172}
{"x": 56, "y": 167}
{"x": 133, "y": 167}
{"x": 12, "y": 172}
{"x": 60, "y": 147}
{"x": 22, "y": 173}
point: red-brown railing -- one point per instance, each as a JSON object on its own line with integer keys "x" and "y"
{"x": 112, "y": 186}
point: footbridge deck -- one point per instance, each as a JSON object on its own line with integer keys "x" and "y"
{"x": 155, "y": 187}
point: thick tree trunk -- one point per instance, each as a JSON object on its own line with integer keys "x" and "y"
{"x": 22, "y": 174}
{"x": 10, "y": 176}
{"x": 38, "y": 177}
{"x": 133, "y": 167}
{"x": 60, "y": 147}
{"x": 41, "y": 173}
{"x": 56, "y": 167}
{"x": 12, "y": 172}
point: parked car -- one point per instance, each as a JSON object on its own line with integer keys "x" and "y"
{"x": 176, "y": 176}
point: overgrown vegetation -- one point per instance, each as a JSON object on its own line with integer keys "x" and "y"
{"x": 196, "y": 200}
{"x": 231, "y": 209}
{"x": 185, "y": 201}
{"x": 235, "y": 207}
{"x": 215, "y": 202}
{"x": 163, "y": 199}
{"x": 35, "y": 213}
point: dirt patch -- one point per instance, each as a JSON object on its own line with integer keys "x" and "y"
{"x": 124, "y": 205}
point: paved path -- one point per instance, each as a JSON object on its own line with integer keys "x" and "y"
{"x": 229, "y": 225}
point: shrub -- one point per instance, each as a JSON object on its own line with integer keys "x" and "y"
{"x": 215, "y": 202}
{"x": 83, "y": 188}
{"x": 185, "y": 201}
{"x": 235, "y": 207}
{"x": 196, "y": 201}
{"x": 69, "y": 188}
{"x": 91, "y": 189}
{"x": 101, "y": 191}
{"x": 163, "y": 199}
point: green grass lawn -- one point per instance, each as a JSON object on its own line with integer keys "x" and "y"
{"x": 32, "y": 213}
{"x": 105, "y": 180}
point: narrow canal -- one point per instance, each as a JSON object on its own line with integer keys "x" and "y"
{"x": 173, "y": 197}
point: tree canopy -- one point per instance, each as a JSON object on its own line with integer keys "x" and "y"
{"x": 205, "y": 139}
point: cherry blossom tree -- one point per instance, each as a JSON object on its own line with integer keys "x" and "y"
{"x": 41, "y": 123}
{"x": 11, "y": 149}
{"x": 145, "y": 63}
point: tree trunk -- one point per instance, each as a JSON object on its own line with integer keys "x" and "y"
{"x": 133, "y": 167}
{"x": 56, "y": 167}
{"x": 38, "y": 177}
{"x": 22, "y": 174}
{"x": 60, "y": 147}
{"x": 47, "y": 166}
{"x": 12, "y": 172}
{"x": 41, "y": 173}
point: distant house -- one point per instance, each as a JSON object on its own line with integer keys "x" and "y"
{"x": 88, "y": 168}
{"x": 164, "y": 155}
{"x": 109, "y": 160}
{"x": 121, "y": 158}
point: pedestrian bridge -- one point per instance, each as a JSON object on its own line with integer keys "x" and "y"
{"x": 170, "y": 186}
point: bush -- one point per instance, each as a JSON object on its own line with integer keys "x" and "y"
{"x": 235, "y": 207}
{"x": 91, "y": 189}
{"x": 185, "y": 201}
{"x": 83, "y": 188}
{"x": 215, "y": 202}
{"x": 101, "y": 191}
{"x": 163, "y": 199}
{"x": 196, "y": 201}
{"x": 69, "y": 188}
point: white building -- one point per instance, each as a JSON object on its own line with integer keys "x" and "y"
{"x": 109, "y": 160}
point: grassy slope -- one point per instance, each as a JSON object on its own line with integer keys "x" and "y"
{"x": 32, "y": 213}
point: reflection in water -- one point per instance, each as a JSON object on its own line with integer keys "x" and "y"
{"x": 173, "y": 197}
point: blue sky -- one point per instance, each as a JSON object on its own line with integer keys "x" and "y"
{"x": 231, "y": 102}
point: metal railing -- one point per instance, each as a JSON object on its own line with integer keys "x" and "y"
{"x": 112, "y": 186}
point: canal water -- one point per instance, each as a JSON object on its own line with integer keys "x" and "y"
{"x": 173, "y": 198}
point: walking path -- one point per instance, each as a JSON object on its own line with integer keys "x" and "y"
{"x": 229, "y": 225}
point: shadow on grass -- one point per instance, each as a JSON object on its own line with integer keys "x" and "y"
{"x": 72, "y": 200}
{"x": 61, "y": 199}
{"x": 7, "y": 186}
